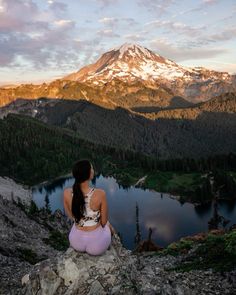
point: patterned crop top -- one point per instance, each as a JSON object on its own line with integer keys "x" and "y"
{"x": 91, "y": 217}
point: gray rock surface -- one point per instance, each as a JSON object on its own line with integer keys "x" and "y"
{"x": 22, "y": 242}
{"x": 80, "y": 273}
{"x": 11, "y": 190}
{"x": 30, "y": 265}
{"x": 120, "y": 271}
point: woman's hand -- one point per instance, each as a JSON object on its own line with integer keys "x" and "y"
{"x": 111, "y": 228}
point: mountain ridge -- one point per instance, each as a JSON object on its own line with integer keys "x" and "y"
{"x": 130, "y": 76}
{"x": 196, "y": 131}
{"x": 132, "y": 62}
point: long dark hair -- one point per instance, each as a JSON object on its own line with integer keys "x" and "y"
{"x": 81, "y": 172}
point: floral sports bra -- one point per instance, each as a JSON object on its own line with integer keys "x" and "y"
{"x": 91, "y": 217}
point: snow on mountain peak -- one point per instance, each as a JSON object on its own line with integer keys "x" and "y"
{"x": 130, "y": 62}
{"x": 133, "y": 50}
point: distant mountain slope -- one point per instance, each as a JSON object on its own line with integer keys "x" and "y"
{"x": 132, "y": 62}
{"x": 186, "y": 132}
{"x": 225, "y": 103}
{"x": 131, "y": 76}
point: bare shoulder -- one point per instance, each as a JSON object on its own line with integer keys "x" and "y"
{"x": 67, "y": 191}
{"x": 100, "y": 192}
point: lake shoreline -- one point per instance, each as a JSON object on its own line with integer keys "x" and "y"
{"x": 141, "y": 183}
{"x": 47, "y": 182}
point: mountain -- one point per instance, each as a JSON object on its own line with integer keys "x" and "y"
{"x": 131, "y": 76}
{"x": 223, "y": 104}
{"x": 131, "y": 62}
{"x": 206, "y": 129}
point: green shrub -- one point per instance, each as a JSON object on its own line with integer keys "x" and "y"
{"x": 57, "y": 240}
{"x": 28, "y": 255}
{"x": 217, "y": 252}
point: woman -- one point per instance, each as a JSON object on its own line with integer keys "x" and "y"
{"x": 91, "y": 231}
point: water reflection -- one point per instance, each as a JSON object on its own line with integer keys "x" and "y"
{"x": 203, "y": 210}
{"x": 132, "y": 211}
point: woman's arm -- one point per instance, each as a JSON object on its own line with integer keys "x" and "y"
{"x": 104, "y": 209}
{"x": 67, "y": 200}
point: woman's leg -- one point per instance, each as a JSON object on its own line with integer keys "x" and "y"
{"x": 77, "y": 239}
{"x": 99, "y": 240}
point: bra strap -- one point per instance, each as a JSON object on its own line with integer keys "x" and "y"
{"x": 89, "y": 193}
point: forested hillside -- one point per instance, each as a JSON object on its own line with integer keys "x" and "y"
{"x": 200, "y": 131}
{"x": 32, "y": 151}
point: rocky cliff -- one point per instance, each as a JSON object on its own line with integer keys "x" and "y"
{"x": 35, "y": 258}
{"x": 27, "y": 234}
{"x": 120, "y": 271}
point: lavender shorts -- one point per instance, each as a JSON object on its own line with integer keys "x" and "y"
{"x": 94, "y": 242}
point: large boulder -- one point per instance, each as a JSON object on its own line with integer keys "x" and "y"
{"x": 80, "y": 273}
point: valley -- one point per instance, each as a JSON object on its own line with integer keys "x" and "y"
{"x": 145, "y": 114}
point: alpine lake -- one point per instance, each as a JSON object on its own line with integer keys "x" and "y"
{"x": 132, "y": 211}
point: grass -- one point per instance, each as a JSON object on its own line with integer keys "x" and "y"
{"x": 57, "y": 240}
{"x": 173, "y": 182}
{"x": 217, "y": 252}
{"x": 181, "y": 247}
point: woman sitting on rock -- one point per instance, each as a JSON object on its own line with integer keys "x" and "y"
{"x": 91, "y": 231}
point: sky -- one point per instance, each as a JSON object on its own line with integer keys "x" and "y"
{"x": 42, "y": 40}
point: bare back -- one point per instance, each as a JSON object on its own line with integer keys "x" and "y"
{"x": 96, "y": 203}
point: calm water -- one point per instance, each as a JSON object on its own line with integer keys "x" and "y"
{"x": 169, "y": 219}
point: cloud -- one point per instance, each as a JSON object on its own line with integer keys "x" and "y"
{"x": 178, "y": 54}
{"x": 65, "y": 23}
{"x": 86, "y": 48}
{"x": 107, "y": 33}
{"x": 58, "y": 9}
{"x": 135, "y": 37}
{"x": 17, "y": 15}
{"x": 158, "y": 7}
{"x": 202, "y": 6}
{"x": 112, "y": 22}
{"x": 58, "y": 6}
{"x": 34, "y": 37}
{"x": 210, "y": 2}
{"x": 224, "y": 35}
{"x": 107, "y": 2}
{"x": 109, "y": 21}
{"x": 179, "y": 27}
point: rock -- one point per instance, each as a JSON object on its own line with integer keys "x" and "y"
{"x": 23, "y": 242}
{"x": 25, "y": 279}
{"x": 11, "y": 190}
{"x": 96, "y": 288}
{"x": 118, "y": 271}
{"x": 68, "y": 272}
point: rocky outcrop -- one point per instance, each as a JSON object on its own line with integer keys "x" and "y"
{"x": 11, "y": 190}
{"x": 120, "y": 271}
{"x": 27, "y": 237}
{"x": 80, "y": 273}
{"x": 35, "y": 258}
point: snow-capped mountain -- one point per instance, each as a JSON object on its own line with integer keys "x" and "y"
{"x": 131, "y": 76}
{"x": 131, "y": 62}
